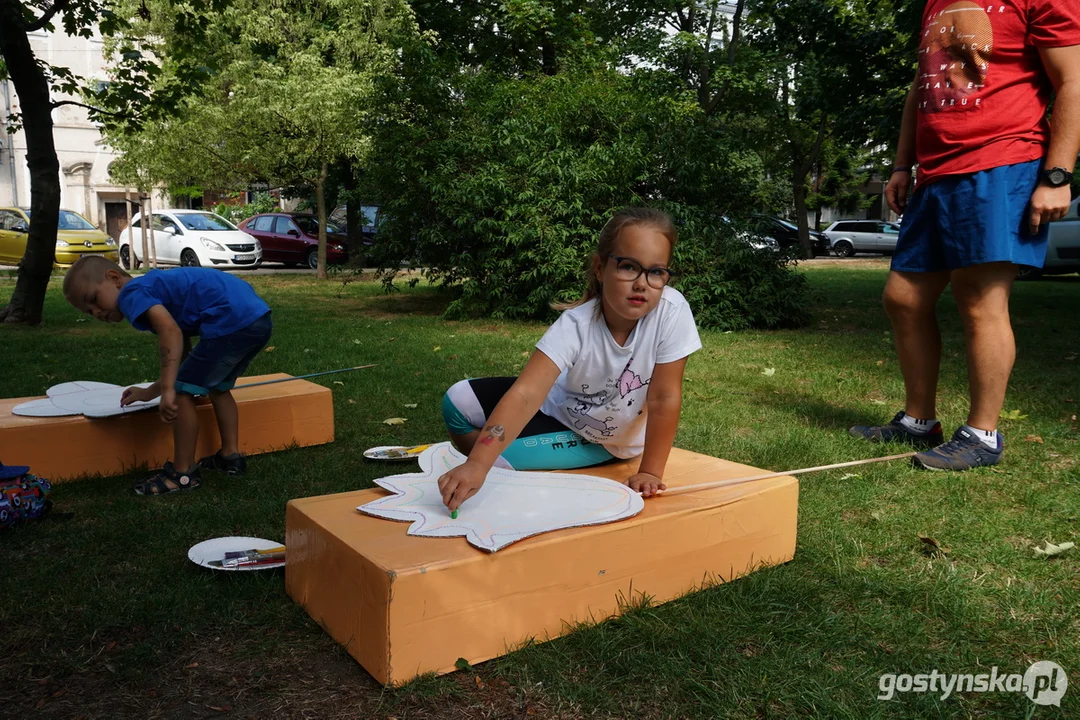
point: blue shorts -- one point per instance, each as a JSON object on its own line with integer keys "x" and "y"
{"x": 216, "y": 363}
{"x": 965, "y": 220}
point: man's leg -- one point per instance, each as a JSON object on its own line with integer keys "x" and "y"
{"x": 910, "y": 300}
{"x": 982, "y": 295}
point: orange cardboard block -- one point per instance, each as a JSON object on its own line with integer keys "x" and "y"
{"x": 272, "y": 417}
{"x": 404, "y": 605}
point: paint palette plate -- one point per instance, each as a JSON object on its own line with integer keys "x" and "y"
{"x": 214, "y": 549}
{"x": 395, "y": 453}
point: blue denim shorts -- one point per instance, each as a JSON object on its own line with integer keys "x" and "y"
{"x": 216, "y": 363}
{"x": 965, "y": 220}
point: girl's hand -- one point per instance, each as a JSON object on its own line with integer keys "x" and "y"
{"x": 646, "y": 484}
{"x": 461, "y": 483}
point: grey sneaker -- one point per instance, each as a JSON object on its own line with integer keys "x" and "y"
{"x": 896, "y": 432}
{"x": 963, "y": 452}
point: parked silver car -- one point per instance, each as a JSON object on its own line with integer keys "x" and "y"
{"x": 1063, "y": 248}
{"x": 847, "y": 237}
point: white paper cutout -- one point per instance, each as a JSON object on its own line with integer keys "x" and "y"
{"x": 83, "y": 397}
{"x": 42, "y": 407}
{"x": 512, "y": 505}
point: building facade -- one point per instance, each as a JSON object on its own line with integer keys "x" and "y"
{"x": 85, "y": 185}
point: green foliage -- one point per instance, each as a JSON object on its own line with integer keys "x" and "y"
{"x": 504, "y": 202}
{"x": 263, "y": 203}
{"x": 729, "y": 284}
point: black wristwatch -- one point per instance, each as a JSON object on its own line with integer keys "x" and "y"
{"x": 1057, "y": 177}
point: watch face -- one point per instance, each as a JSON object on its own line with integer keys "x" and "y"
{"x": 1057, "y": 176}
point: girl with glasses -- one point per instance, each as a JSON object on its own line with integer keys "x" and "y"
{"x": 604, "y": 382}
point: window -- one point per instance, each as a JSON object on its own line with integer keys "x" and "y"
{"x": 865, "y": 227}
{"x": 73, "y": 221}
{"x": 310, "y": 225}
{"x": 204, "y": 222}
{"x": 8, "y": 219}
{"x": 284, "y": 225}
{"x": 889, "y": 229}
{"x": 845, "y": 227}
{"x": 263, "y": 223}
{"x": 159, "y": 223}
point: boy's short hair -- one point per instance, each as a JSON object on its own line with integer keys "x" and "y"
{"x": 89, "y": 269}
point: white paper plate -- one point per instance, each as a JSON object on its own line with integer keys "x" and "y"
{"x": 215, "y": 549}
{"x": 412, "y": 452}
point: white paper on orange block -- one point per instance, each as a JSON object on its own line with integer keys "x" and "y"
{"x": 97, "y": 400}
{"x": 512, "y": 505}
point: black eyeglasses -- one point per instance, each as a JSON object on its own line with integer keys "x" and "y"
{"x": 630, "y": 270}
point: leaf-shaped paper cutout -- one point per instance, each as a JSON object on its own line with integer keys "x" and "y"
{"x": 512, "y": 505}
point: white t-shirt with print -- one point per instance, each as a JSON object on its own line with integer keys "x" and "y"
{"x": 603, "y": 385}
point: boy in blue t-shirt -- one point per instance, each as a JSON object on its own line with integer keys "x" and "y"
{"x": 233, "y": 324}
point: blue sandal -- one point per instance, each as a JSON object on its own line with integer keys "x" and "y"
{"x": 167, "y": 480}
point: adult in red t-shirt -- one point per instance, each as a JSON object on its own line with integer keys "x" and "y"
{"x": 992, "y": 172}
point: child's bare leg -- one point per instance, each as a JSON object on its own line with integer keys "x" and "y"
{"x": 228, "y": 422}
{"x": 185, "y": 433}
{"x": 464, "y": 443}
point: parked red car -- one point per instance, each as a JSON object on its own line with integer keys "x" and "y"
{"x": 293, "y": 239}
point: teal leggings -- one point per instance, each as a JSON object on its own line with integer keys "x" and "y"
{"x": 544, "y": 443}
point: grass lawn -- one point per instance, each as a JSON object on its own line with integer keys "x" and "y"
{"x": 102, "y": 616}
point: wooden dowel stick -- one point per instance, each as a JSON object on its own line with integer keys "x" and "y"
{"x": 766, "y": 476}
{"x": 303, "y": 377}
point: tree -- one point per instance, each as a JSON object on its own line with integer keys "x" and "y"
{"x": 127, "y": 99}
{"x": 286, "y": 98}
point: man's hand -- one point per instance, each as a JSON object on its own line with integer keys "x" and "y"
{"x": 646, "y": 484}
{"x": 461, "y": 483}
{"x": 897, "y": 191}
{"x": 1048, "y": 204}
{"x": 168, "y": 409}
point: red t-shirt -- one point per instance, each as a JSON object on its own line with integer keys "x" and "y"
{"x": 983, "y": 92}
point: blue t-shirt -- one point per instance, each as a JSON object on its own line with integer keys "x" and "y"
{"x": 204, "y": 302}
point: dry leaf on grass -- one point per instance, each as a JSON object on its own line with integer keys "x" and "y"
{"x": 355, "y": 341}
{"x": 479, "y": 683}
{"x": 411, "y": 406}
{"x": 768, "y": 372}
{"x": 1034, "y": 439}
{"x": 1012, "y": 415}
{"x": 437, "y": 348}
{"x": 1052, "y": 550}
{"x": 272, "y": 348}
{"x": 932, "y": 547}
{"x": 876, "y": 515}
{"x": 394, "y": 421}
{"x": 338, "y": 382}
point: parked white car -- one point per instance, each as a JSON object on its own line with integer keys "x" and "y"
{"x": 1063, "y": 248}
{"x": 847, "y": 237}
{"x": 191, "y": 238}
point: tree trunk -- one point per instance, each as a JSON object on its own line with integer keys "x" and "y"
{"x": 354, "y": 219}
{"x": 32, "y": 88}
{"x": 320, "y": 201}
{"x": 802, "y": 221}
{"x": 547, "y": 54}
